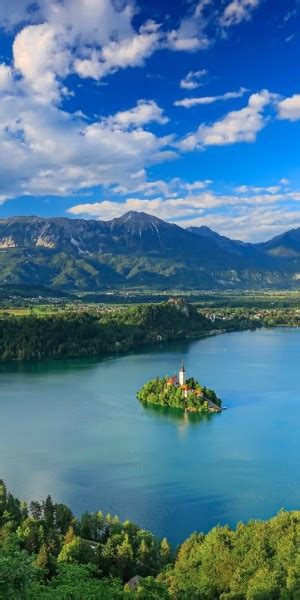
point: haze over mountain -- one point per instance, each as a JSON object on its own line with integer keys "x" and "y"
{"x": 138, "y": 249}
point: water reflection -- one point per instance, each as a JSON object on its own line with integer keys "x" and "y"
{"x": 177, "y": 415}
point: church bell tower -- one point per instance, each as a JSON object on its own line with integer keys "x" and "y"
{"x": 182, "y": 375}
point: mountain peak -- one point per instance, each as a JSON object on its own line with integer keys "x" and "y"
{"x": 140, "y": 249}
{"x": 138, "y": 217}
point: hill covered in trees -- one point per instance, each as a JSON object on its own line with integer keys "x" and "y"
{"x": 75, "y": 334}
{"x": 48, "y": 554}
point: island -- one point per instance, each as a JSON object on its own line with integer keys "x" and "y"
{"x": 180, "y": 392}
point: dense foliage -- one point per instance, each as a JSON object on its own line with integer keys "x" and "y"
{"x": 86, "y": 334}
{"x": 45, "y": 552}
{"x": 258, "y": 561}
{"x": 157, "y": 391}
{"x": 48, "y": 554}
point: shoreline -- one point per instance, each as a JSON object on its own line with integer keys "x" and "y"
{"x": 186, "y": 338}
{"x": 153, "y": 343}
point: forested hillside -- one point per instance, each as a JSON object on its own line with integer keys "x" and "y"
{"x": 75, "y": 334}
{"x": 48, "y": 554}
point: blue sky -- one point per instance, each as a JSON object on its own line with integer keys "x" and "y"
{"x": 186, "y": 110}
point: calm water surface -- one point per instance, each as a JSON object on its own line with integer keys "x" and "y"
{"x": 74, "y": 429}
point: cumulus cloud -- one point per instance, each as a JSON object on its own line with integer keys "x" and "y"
{"x": 190, "y": 102}
{"x": 193, "y": 79}
{"x": 129, "y": 52}
{"x": 91, "y": 38}
{"x": 289, "y": 108}
{"x": 237, "y": 126}
{"x": 146, "y": 111}
{"x": 238, "y": 11}
{"x": 48, "y": 151}
{"x": 41, "y": 56}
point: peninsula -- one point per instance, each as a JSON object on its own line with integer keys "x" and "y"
{"x": 180, "y": 392}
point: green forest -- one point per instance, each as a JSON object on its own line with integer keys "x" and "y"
{"x": 157, "y": 391}
{"x": 76, "y": 334}
{"x": 46, "y": 553}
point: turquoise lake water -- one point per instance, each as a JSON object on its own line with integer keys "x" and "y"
{"x": 74, "y": 429}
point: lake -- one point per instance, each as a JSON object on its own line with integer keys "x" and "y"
{"x": 74, "y": 429}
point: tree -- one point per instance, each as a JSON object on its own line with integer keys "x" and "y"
{"x": 17, "y": 573}
{"x": 165, "y": 552}
{"x": 35, "y": 509}
{"x": 46, "y": 561}
{"x": 125, "y": 559}
{"x": 150, "y": 589}
{"x": 77, "y": 550}
{"x": 49, "y": 512}
{"x": 70, "y": 535}
{"x": 63, "y": 517}
{"x": 31, "y": 534}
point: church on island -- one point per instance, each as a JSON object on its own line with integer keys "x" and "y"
{"x": 180, "y": 392}
{"x": 180, "y": 382}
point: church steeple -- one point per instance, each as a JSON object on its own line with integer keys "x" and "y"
{"x": 182, "y": 376}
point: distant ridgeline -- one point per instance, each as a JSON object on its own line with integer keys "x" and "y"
{"x": 46, "y": 553}
{"x": 74, "y": 334}
{"x": 180, "y": 392}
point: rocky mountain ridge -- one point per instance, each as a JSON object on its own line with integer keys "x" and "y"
{"x": 138, "y": 249}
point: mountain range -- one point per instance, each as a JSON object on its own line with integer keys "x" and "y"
{"x": 140, "y": 250}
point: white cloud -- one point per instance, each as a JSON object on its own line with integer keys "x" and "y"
{"x": 289, "y": 108}
{"x": 13, "y": 12}
{"x": 170, "y": 189}
{"x": 92, "y": 38}
{"x": 90, "y": 21}
{"x": 190, "y": 102}
{"x": 185, "y": 209}
{"x": 197, "y": 185}
{"x": 129, "y": 52}
{"x": 193, "y": 79}
{"x": 146, "y": 111}
{"x": 250, "y": 224}
{"x": 190, "y": 35}
{"x": 238, "y": 11}
{"x": 170, "y": 209}
{"x": 48, "y": 151}
{"x": 6, "y": 78}
{"x": 87, "y": 37}
{"x": 41, "y": 56}
{"x": 246, "y": 189}
{"x": 237, "y": 126}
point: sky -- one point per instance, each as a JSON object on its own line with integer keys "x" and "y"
{"x": 187, "y": 110}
